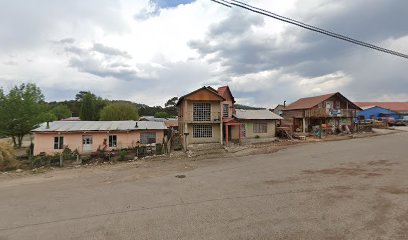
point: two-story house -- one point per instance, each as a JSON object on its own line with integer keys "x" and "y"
{"x": 200, "y": 116}
{"x": 331, "y": 109}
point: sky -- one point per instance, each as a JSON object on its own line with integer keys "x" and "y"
{"x": 149, "y": 51}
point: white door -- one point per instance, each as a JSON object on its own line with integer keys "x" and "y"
{"x": 87, "y": 143}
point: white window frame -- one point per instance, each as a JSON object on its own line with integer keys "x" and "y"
{"x": 202, "y": 112}
{"x": 260, "y": 127}
{"x": 225, "y": 110}
{"x": 113, "y": 140}
{"x": 202, "y": 131}
{"x": 58, "y": 142}
{"x": 149, "y": 139}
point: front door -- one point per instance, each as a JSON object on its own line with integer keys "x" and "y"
{"x": 87, "y": 143}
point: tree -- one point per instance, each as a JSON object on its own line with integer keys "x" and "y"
{"x": 61, "y": 111}
{"x": 162, "y": 115}
{"x": 88, "y": 112}
{"x": 20, "y": 111}
{"x": 119, "y": 111}
{"x": 171, "y": 106}
{"x": 171, "y": 102}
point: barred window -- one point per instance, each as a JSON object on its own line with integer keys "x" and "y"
{"x": 113, "y": 141}
{"x": 225, "y": 110}
{"x": 202, "y": 131}
{"x": 148, "y": 137}
{"x": 260, "y": 128}
{"x": 201, "y": 112}
{"x": 59, "y": 142}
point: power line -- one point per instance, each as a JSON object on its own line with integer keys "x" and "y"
{"x": 306, "y": 26}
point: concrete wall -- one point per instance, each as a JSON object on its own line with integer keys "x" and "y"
{"x": 249, "y": 129}
{"x": 44, "y": 142}
{"x": 216, "y": 135}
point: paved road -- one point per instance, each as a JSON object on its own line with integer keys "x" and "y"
{"x": 354, "y": 189}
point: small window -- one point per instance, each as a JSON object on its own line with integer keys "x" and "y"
{"x": 260, "y": 128}
{"x": 59, "y": 142}
{"x": 202, "y": 131}
{"x": 113, "y": 141}
{"x": 338, "y": 105}
{"x": 148, "y": 138}
{"x": 86, "y": 140}
{"x": 225, "y": 110}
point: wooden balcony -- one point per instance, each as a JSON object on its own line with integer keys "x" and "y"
{"x": 215, "y": 117}
{"x": 325, "y": 113}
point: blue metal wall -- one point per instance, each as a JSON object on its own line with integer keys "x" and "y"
{"x": 376, "y": 112}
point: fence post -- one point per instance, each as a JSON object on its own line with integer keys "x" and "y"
{"x": 61, "y": 163}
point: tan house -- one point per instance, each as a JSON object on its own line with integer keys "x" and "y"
{"x": 332, "y": 110}
{"x": 89, "y": 136}
{"x": 207, "y": 115}
{"x": 200, "y": 116}
{"x": 252, "y": 124}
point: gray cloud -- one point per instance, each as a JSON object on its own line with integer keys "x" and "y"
{"x": 98, "y": 47}
{"x": 233, "y": 45}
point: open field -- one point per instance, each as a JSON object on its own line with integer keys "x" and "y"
{"x": 353, "y": 189}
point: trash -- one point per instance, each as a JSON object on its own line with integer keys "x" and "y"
{"x": 180, "y": 176}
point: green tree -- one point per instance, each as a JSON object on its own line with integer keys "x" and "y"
{"x": 88, "y": 112}
{"x": 20, "y": 111}
{"x": 162, "y": 115}
{"x": 61, "y": 111}
{"x": 171, "y": 102}
{"x": 119, "y": 111}
{"x": 171, "y": 106}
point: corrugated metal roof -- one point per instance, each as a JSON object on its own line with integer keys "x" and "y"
{"x": 394, "y": 106}
{"x": 263, "y": 114}
{"x": 309, "y": 102}
{"x": 78, "y": 126}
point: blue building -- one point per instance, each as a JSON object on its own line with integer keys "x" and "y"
{"x": 376, "y": 112}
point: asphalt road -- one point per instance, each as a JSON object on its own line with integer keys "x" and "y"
{"x": 353, "y": 189}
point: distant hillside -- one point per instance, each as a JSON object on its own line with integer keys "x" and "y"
{"x": 240, "y": 106}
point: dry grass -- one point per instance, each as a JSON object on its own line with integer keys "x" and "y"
{"x": 7, "y": 157}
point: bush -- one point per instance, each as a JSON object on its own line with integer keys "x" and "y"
{"x": 122, "y": 154}
{"x": 7, "y": 157}
{"x": 159, "y": 149}
{"x": 257, "y": 136}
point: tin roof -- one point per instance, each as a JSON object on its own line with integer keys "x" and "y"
{"x": 79, "y": 126}
{"x": 394, "y": 106}
{"x": 262, "y": 114}
{"x": 309, "y": 102}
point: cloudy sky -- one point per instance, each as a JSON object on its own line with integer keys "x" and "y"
{"x": 149, "y": 51}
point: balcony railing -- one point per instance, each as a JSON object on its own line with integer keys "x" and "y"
{"x": 215, "y": 117}
{"x": 324, "y": 112}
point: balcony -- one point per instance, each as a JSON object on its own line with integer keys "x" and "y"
{"x": 323, "y": 113}
{"x": 214, "y": 117}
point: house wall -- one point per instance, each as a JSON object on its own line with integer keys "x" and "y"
{"x": 44, "y": 142}
{"x": 249, "y": 129}
{"x": 216, "y": 135}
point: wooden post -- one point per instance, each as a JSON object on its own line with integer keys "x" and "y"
{"x": 226, "y": 134}
{"x": 61, "y": 163}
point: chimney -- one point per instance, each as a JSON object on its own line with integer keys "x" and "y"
{"x": 136, "y": 125}
{"x": 48, "y": 125}
{"x": 284, "y": 103}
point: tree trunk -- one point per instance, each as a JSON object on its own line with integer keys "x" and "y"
{"x": 14, "y": 141}
{"x": 20, "y": 141}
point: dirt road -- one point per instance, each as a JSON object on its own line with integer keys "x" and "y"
{"x": 353, "y": 189}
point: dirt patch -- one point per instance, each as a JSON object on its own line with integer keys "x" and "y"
{"x": 180, "y": 176}
{"x": 280, "y": 181}
{"x": 381, "y": 163}
{"x": 373, "y": 174}
{"x": 337, "y": 171}
{"x": 394, "y": 190}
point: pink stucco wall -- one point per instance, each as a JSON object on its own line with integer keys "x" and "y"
{"x": 44, "y": 142}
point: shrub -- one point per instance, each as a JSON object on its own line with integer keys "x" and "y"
{"x": 7, "y": 157}
{"x": 122, "y": 154}
{"x": 257, "y": 136}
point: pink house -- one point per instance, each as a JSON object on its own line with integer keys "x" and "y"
{"x": 89, "y": 136}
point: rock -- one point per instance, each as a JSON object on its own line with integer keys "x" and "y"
{"x": 19, "y": 170}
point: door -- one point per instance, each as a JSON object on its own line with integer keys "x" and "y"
{"x": 87, "y": 143}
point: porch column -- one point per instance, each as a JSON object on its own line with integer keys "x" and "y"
{"x": 226, "y": 134}
{"x": 185, "y": 136}
{"x": 221, "y": 126}
{"x": 304, "y": 125}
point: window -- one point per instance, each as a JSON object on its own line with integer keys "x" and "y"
{"x": 338, "y": 105}
{"x": 260, "y": 128}
{"x": 202, "y": 131}
{"x": 225, "y": 110}
{"x": 201, "y": 112}
{"x": 113, "y": 141}
{"x": 320, "y": 105}
{"x": 148, "y": 137}
{"x": 59, "y": 142}
{"x": 87, "y": 140}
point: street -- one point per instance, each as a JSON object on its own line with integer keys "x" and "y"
{"x": 351, "y": 189}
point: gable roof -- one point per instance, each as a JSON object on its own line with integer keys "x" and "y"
{"x": 394, "y": 106}
{"x": 210, "y": 89}
{"x": 225, "y": 89}
{"x": 309, "y": 102}
{"x": 78, "y": 126}
{"x": 262, "y": 114}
